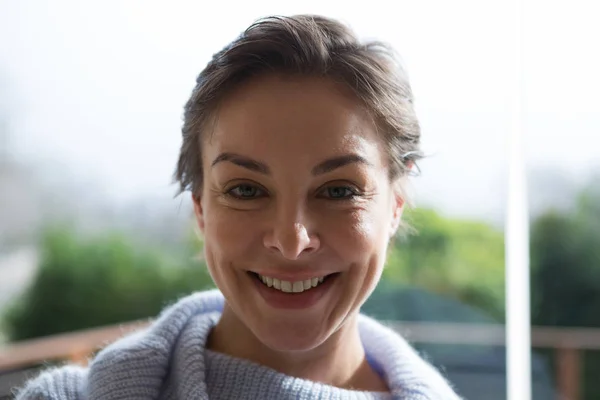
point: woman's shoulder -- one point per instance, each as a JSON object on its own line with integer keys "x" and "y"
{"x": 139, "y": 355}
{"x": 390, "y": 354}
{"x": 64, "y": 383}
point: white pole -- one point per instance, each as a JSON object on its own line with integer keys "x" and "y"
{"x": 518, "y": 328}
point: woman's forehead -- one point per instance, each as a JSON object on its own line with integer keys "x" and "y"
{"x": 302, "y": 115}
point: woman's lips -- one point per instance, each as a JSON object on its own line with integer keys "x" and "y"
{"x": 288, "y": 294}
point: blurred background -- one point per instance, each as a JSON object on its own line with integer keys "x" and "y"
{"x": 92, "y": 236}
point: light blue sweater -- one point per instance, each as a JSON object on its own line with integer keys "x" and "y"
{"x": 168, "y": 360}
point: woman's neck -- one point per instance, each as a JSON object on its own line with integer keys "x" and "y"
{"x": 340, "y": 361}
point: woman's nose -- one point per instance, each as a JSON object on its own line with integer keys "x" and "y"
{"x": 291, "y": 237}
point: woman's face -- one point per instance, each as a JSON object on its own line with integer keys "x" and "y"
{"x": 296, "y": 208}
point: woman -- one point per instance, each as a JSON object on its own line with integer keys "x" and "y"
{"x": 297, "y": 141}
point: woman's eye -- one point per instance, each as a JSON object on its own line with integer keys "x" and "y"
{"x": 339, "y": 192}
{"x": 245, "y": 192}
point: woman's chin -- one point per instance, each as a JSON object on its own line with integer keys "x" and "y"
{"x": 291, "y": 346}
{"x": 291, "y": 338}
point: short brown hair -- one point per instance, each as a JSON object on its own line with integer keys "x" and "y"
{"x": 306, "y": 45}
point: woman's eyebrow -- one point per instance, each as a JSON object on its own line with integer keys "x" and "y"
{"x": 338, "y": 162}
{"x": 260, "y": 167}
{"x": 244, "y": 162}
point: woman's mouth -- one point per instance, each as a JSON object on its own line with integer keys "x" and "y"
{"x": 291, "y": 286}
{"x": 293, "y": 294}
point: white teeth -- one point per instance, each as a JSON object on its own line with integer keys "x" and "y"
{"x": 298, "y": 287}
{"x": 286, "y": 286}
{"x": 291, "y": 287}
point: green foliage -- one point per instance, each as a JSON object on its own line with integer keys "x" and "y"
{"x": 565, "y": 274}
{"x": 565, "y": 260}
{"x": 83, "y": 283}
{"x": 462, "y": 260}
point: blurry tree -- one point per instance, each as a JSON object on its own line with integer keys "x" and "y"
{"x": 83, "y": 283}
{"x": 460, "y": 260}
{"x": 565, "y": 257}
{"x": 565, "y": 268}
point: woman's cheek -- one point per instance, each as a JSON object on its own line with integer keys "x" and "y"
{"x": 231, "y": 231}
{"x": 357, "y": 235}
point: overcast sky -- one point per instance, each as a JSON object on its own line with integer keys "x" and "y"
{"x": 98, "y": 87}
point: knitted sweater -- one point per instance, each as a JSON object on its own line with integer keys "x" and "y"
{"x": 168, "y": 360}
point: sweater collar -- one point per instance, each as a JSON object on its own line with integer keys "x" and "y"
{"x": 174, "y": 343}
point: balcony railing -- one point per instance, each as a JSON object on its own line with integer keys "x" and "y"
{"x": 77, "y": 347}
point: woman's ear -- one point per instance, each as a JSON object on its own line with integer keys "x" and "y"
{"x": 198, "y": 211}
{"x": 398, "y": 208}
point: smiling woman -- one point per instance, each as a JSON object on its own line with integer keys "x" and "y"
{"x": 297, "y": 140}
